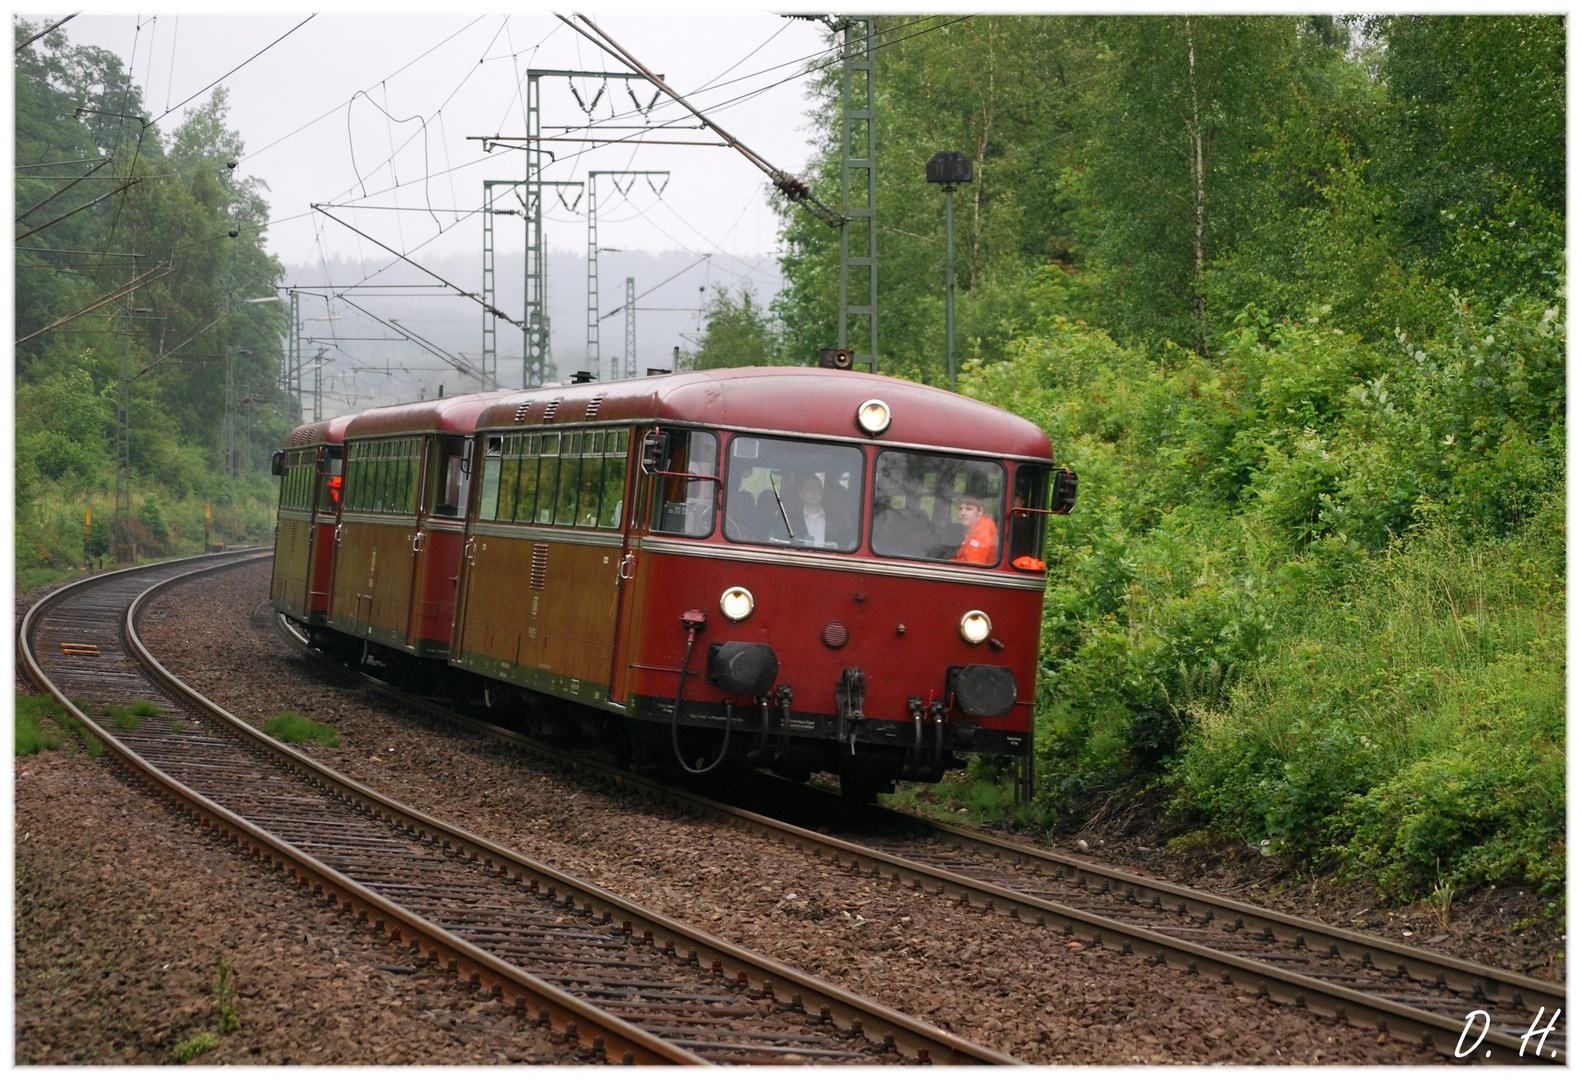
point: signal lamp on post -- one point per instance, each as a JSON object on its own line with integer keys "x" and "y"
{"x": 949, "y": 167}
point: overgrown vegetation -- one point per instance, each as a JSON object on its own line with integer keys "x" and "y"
{"x": 293, "y": 727}
{"x": 225, "y": 997}
{"x": 201, "y": 1043}
{"x": 189, "y": 234}
{"x": 89, "y": 740}
{"x": 1300, "y": 328}
{"x": 31, "y": 735}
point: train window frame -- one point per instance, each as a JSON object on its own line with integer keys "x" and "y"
{"x": 681, "y": 441}
{"x": 1027, "y": 531}
{"x": 489, "y": 479}
{"x": 857, "y": 494}
{"x": 450, "y": 460}
{"x": 329, "y": 467}
{"x": 926, "y": 509}
{"x": 617, "y": 452}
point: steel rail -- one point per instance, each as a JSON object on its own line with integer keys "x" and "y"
{"x": 846, "y": 1012}
{"x": 1326, "y": 997}
{"x": 1479, "y": 981}
{"x": 307, "y": 873}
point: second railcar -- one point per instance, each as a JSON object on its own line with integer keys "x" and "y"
{"x": 402, "y": 524}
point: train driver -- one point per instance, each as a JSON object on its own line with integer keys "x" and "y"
{"x": 981, "y": 545}
{"x": 817, "y": 523}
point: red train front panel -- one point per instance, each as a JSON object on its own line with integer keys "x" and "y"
{"x": 901, "y": 633}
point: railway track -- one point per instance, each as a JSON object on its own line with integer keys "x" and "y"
{"x": 1414, "y": 995}
{"x": 612, "y": 980}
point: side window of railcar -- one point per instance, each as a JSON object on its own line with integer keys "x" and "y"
{"x": 612, "y": 500}
{"x": 936, "y": 506}
{"x": 351, "y": 489}
{"x": 451, "y": 466}
{"x": 296, "y": 492}
{"x": 520, "y": 482}
{"x": 683, "y": 507}
{"x": 592, "y": 485}
{"x": 489, "y": 497}
{"x": 570, "y": 472}
{"x": 547, "y": 481}
{"x": 330, "y": 465}
{"x": 1026, "y": 530}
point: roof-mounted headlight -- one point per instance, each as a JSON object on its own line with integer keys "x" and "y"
{"x": 873, "y": 416}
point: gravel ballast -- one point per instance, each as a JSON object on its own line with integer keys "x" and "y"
{"x": 1014, "y": 987}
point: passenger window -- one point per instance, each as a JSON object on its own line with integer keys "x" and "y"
{"x": 614, "y": 493}
{"x": 682, "y": 506}
{"x": 548, "y": 473}
{"x": 489, "y": 500}
{"x": 565, "y": 503}
{"x": 450, "y": 476}
{"x": 510, "y": 477}
{"x": 591, "y": 488}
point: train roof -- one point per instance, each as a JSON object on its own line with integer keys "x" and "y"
{"x": 795, "y": 401}
{"x": 459, "y": 414}
{"x": 332, "y": 430}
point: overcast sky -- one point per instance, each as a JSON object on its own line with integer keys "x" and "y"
{"x": 380, "y": 111}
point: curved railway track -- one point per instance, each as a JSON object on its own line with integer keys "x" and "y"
{"x": 611, "y": 979}
{"x": 1415, "y": 995}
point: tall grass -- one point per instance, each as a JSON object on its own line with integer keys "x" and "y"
{"x": 31, "y": 735}
{"x": 1409, "y": 721}
{"x": 295, "y": 728}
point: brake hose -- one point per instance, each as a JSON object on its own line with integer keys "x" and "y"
{"x": 675, "y": 712}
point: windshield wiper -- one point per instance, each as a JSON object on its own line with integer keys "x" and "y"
{"x": 790, "y": 532}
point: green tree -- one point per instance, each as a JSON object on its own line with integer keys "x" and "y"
{"x": 738, "y": 333}
{"x": 191, "y": 232}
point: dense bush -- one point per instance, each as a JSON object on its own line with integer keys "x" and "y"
{"x": 1313, "y": 586}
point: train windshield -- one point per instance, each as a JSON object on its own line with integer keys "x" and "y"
{"x": 937, "y": 507}
{"x": 792, "y": 493}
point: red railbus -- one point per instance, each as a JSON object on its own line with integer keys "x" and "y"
{"x": 795, "y": 569}
{"x": 841, "y": 571}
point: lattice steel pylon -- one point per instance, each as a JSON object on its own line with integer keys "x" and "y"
{"x": 631, "y": 328}
{"x": 489, "y": 361}
{"x": 535, "y": 283}
{"x": 858, "y": 189}
{"x": 537, "y": 360}
{"x": 291, "y": 379}
{"x": 593, "y": 358}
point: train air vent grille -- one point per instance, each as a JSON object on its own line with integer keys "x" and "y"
{"x": 540, "y": 566}
{"x": 592, "y": 407}
{"x": 521, "y": 411}
{"x": 550, "y": 409}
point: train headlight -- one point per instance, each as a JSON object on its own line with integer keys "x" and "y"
{"x": 873, "y": 416}
{"x": 975, "y": 627}
{"x": 736, "y": 603}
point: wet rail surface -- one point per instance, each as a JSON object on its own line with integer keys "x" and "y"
{"x": 645, "y": 989}
{"x": 1412, "y": 994}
